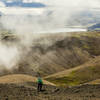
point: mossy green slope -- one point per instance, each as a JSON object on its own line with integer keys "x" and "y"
{"x": 79, "y": 75}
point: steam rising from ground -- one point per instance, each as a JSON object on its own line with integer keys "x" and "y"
{"x": 26, "y": 26}
{"x": 8, "y": 56}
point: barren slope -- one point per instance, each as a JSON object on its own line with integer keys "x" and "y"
{"x": 50, "y": 56}
{"x": 52, "y": 53}
{"x": 19, "y": 78}
{"x": 28, "y": 92}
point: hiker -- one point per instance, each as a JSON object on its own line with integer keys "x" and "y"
{"x": 40, "y": 84}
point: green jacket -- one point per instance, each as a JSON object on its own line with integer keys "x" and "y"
{"x": 40, "y": 81}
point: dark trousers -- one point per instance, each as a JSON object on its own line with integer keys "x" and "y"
{"x": 39, "y": 87}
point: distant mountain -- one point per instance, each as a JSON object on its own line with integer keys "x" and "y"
{"x": 95, "y": 27}
{"x": 20, "y": 3}
{"x": 85, "y": 18}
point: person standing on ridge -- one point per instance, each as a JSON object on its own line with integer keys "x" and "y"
{"x": 40, "y": 84}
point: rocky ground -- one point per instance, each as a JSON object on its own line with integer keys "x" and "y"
{"x": 27, "y": 91}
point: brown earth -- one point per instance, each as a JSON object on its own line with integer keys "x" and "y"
{"x": 28, "y": 92}
{"x": 20, "y": 78}
{"x": 24, "y": 87}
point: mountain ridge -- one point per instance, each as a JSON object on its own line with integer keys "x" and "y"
{"x": 19, "y": 3}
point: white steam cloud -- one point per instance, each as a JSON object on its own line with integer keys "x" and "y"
{"x": 8, "y": 56}
{"x": 30, "y": 22}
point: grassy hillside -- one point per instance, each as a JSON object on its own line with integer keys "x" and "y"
{"x": 69, "y": 50}
{"x": 79, "y": 75}
{"x": 97, "y": 81}
{"x": 52, "y": 53}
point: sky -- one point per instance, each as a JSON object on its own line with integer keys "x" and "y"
{"x": 25, "y": 27}
{"x": 71, "y": 3}
{"x": 60, "y": 6}
{"x": 64, "y": 9}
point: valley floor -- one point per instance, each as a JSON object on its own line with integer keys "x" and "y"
{"x": 27, "y": 91}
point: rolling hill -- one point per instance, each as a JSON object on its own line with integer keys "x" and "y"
{"x": 54, "y": 53}
{"x": 50, "y": 56}
{"x": 95, "y": 27}
{"x": 82, "y": 74}
{"x": 19, "y": 78}
{"x": 97, "y": 81}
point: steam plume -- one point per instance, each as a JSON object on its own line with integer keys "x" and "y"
{"x": 55, "y": 15}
